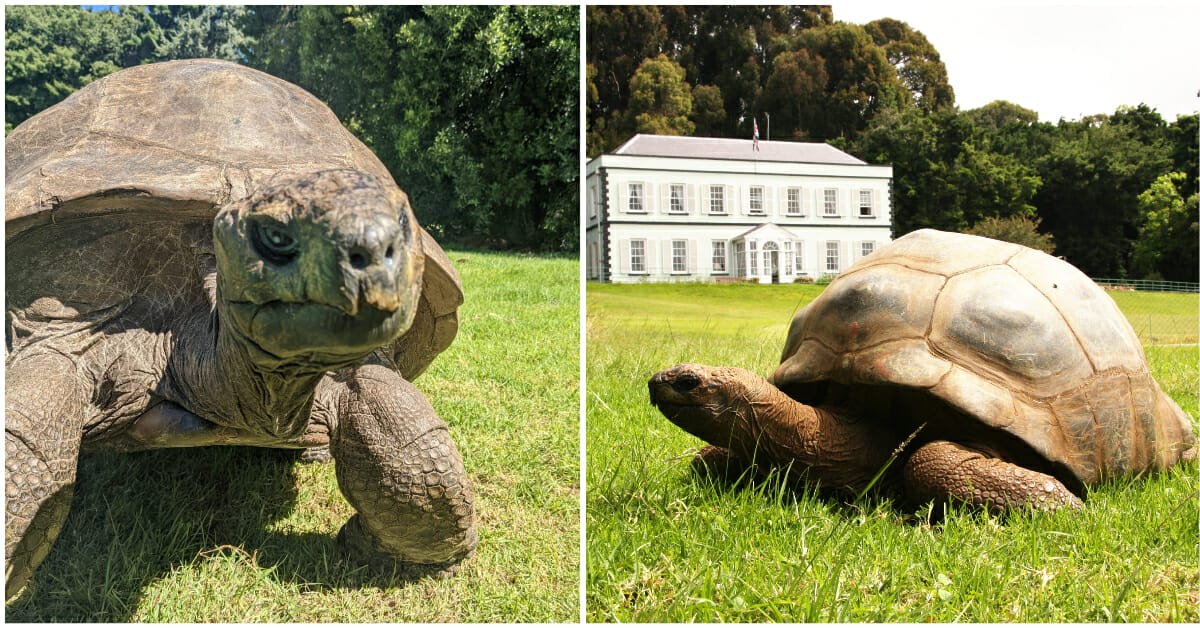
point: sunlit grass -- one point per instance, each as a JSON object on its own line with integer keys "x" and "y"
{"x": 247, "y": 535}
{"x": 666, "y": 546}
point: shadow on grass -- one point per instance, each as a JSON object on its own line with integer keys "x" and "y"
{"x": 135, "y": 518}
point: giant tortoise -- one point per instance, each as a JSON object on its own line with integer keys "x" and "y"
{"x": 1004, "y": 377}
{"x": 198, "y": 254}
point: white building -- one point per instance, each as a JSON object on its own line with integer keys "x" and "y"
{"x": 662, "y": 208}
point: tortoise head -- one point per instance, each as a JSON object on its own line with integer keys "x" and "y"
{"x": 712, "y": 403}
{"x": 322, "y": 267}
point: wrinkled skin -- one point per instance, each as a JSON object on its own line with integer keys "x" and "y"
{"x": 750, "y": 423}
{"x": 266, "y": 336}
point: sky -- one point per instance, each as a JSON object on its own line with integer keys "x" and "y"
{"x": 1060, "y": 59}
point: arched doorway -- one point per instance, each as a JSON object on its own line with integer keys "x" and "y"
{"x": 771, "y": 261}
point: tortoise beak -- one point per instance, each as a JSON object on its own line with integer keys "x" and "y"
{"x": 381, "y": 267}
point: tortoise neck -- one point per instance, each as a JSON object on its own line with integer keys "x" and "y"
{"x": 222, "y": 381}
{"x": 838, "y": 449}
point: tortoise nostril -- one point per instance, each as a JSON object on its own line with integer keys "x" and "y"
{"x": 388, "y": 253}
{"x": 685, "y": 382}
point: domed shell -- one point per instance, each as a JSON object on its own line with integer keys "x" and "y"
{"x": 1021, "y": 341}
{"x": 175, "y": 141}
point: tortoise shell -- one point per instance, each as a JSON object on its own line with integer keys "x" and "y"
{"x": 1018, "y": 341}
{"x": 172, "y": 142}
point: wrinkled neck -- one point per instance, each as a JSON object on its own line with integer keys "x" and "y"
{"x": 839, "y": 450}
{"x": 220, "y": 376}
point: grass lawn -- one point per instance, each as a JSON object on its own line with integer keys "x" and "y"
{"x": 666, "y": 546}
{"x": 247, "y": 535}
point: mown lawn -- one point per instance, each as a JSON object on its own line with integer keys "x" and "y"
{"x": 247, "y": 535}
{"x": 666, "y": 546}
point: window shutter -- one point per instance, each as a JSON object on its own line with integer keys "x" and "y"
{"x": 689, "y": 203}
{"x": 623, "y": 197}
{"x": 768, "y": 201}
{"x": 692, "y": 251}
{"x": 664, "y": 197}
{"x": 843, "y": 256}
{"x": 623, "y": 265}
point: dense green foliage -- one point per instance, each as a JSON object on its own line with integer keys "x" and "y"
{"x": 880, "y": 91}
{"x": 473, "y": 109}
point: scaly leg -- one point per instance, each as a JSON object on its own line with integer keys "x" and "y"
{"x": 941, "y": 469}
{"x": 42, "y": 434}
{"x": 398, "y": 467}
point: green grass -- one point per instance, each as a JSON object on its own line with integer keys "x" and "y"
{"x": 664, "y": 545}
{"x": 247, "y": 535}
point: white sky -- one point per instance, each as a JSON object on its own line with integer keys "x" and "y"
{"x": 1063, "y": 59}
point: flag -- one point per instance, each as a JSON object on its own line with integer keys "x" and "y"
{"x": 756, "y": 134}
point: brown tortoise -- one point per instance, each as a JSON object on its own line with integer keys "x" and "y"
{"x": 199, "y": 253}
{"x": 1021, "y": 379}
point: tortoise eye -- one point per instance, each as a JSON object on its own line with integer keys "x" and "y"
{"x": 685, "y": 383}
{"x": 273, "y": 242}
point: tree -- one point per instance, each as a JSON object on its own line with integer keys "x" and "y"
{"x": 620, "y": 38}
{"x": 861, "y": 82}
{"x": 52, "y": 51}
{"x": 209, "y": 31}
{"x": 1092, "y": 174}
{"x": 659, "y": 99}
{"x": 708, "y": 109}
{"x": 794, "y": 92}
{"x": 1169, "y": 234}
{"x": 1001, "y": 114}
{"x": 918, "y": 64}
{"x": 1021, "y": 230}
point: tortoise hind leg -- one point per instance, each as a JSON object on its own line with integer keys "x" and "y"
{"x": 42, "y": 435}
{"x": 941, "y": 470}
{"x": 398, "y": 467}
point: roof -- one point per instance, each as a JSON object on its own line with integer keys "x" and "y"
{"x": 725, "y": 148}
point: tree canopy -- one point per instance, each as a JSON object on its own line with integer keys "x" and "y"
{"x": 474, "y": 109}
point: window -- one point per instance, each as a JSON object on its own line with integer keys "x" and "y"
{"x": 831, "y": 257}
{"x": 831, "y": 202}
{"x": 799, "y": 257}
{"x": 637, "y": 256}
{"x": 753, "y": 257}
{"x": 677, "y": 206}
{"x": 787, "y": 257}
{"x": 866, "y": 205}
{"x": 739, "y": 257}
{"x": 867, "y": 248}
{"x": 793, "y": 201}
{"x": 595, "y": 204}
{"x": 679, "y": 256}
{"x": 718, "y": 259}
{"x": 716, "y": 199}
{"x": 756, "y": 199}
{"x": 636, "y": 198}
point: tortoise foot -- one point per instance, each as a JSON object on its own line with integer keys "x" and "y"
{"x": 362, "y": 548}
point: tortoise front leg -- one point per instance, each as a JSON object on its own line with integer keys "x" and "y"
{"x": 723, "y": 466}
{"x": 398, "y": 467}
{"x": 941, "y": 469}
{"x": 42, "y": 434}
